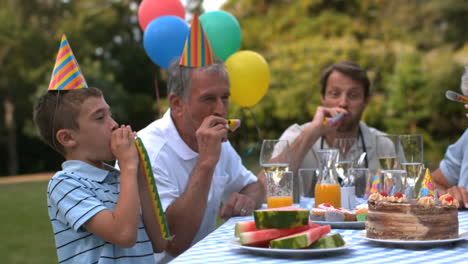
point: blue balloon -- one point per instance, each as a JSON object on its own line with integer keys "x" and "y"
{"x": 164, "y": 39}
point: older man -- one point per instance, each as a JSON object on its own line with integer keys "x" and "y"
{"x": 195, "y": 166}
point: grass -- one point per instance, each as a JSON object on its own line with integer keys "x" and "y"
{"x": 27, "y": 236}
{"x": 26, "y": 232}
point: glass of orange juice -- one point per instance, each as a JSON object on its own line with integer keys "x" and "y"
{"x": 279, "y": 188}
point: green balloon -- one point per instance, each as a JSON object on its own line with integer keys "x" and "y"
{"x": 223, "y": 32}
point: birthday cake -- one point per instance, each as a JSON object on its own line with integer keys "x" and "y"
{"x": 396, "y": 218}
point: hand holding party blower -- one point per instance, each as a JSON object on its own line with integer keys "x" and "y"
{"x": 333, "y": 120}
{"x": 160, "y": 215}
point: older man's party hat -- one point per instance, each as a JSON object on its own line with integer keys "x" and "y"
{"x": 197, "y": 51}
{"x": 427, "y": 186}
{"x": 66, "y": 74}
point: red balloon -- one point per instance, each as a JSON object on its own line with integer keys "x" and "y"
{"x": 151, "y": 9}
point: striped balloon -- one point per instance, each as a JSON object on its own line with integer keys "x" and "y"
{"x": 197, "y": 51}
{"x": 66, "y": 74}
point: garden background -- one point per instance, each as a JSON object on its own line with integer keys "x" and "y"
{"x": 413, "y": 50}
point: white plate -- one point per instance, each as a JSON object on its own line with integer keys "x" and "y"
{"x": 463, "y": 234}
{"x": 289, "y": 252}
{"x": 343, "y": 225}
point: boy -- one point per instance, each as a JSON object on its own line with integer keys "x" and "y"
{"x": 94, "y": 208}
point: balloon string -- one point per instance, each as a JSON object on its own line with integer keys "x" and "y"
{"x": 158, "y": 101}
{"x": 258, "y": 132}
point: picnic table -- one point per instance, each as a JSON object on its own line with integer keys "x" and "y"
{"x": 220, "y": 247}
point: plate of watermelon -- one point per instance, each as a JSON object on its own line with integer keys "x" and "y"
{"x": 286, "y": 231}
{"x": 284, "y": 252}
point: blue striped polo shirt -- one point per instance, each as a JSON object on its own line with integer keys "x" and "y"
{"x": 74, "y": 195}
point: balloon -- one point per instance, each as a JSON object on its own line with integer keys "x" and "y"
{"x": 164, "y": 39}
{"x": 249, "y": 75}
{"x": 223, "y": 32}
{"x": 152, "y": 9}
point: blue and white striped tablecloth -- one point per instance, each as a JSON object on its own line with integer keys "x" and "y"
{"x": 216, "y": 248}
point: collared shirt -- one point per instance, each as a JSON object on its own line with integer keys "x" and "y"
{"x": 454, "y": 166}
{"x": 173, "y": 160}
{"x": 76, "y": 194}
{"x": 310, "y": 159}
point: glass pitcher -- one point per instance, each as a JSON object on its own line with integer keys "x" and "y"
{"x": 327, "y": 189}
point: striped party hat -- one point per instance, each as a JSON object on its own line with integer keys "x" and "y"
{"x": 66, "y": 74}
{"x": 197, "y": 51}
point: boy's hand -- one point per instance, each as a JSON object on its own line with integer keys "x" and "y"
{"x": 123, "y": 145}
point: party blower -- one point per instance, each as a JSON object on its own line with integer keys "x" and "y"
{"x": 451, "y": 95}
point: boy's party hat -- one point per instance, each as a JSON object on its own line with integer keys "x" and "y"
{"x": 66, "y": 74}
{"x": 427, "y": 186}
{"x": 197, "y": 51}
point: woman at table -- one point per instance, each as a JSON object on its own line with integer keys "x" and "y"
{"x": 452, "y": 175}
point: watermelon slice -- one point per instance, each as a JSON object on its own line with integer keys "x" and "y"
{"x": 261, "y": 238}
{"x": 282, "y": 217}
{"x": 302, "y": 239}
{"x": 245, "y": 226}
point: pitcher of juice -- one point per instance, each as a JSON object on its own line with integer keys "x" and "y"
{"x": 327, "y": 189}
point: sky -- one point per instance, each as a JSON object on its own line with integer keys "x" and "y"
{"x": 209, "y": 5}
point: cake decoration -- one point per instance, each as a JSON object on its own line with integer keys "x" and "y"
{"x": 375, "y": 183}
{"x": 376, "y": 197}
{"x": 427, "y": 201}
{"x": 449, "y": 201}
{"x": 427, "y": 186}
{"x": 397, "y": 198}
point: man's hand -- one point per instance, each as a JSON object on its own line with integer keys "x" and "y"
{"x": 324, "y": 112}
{"x": 211, "y": 133}
{"x": 459, "y": 193}
{"x": 237, "y": 204}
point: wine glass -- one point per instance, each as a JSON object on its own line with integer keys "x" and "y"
{"x": 388, "y": 147}
{"x": 345, "y": 158}
{"x": 275, "y": 156}
{"x": 412, "y": 159}
{"x": 392, "y": 181}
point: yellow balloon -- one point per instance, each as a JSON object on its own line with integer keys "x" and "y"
{"x": 249, "y": 75}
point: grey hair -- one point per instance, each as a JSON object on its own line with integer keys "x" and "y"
{"x": 178, "y": 80}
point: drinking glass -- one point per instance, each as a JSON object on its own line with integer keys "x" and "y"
{"x": 345, "y": 159}
{"x": 279, "y": 188}
{"x": 388, "y": 147}
{"x": 307, "y": 178}
{"x": 275, "y": 155}
{"x": 412, "y": 159}
{"x": 392, "y": 181}
{"x": 362, "y": 181}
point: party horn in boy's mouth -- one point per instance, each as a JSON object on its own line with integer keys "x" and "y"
{"x": 333, "y": 120}
{"x": 451, "y": 95}
{"x": 160, "y": 215}
{"x": 233, "y": 124}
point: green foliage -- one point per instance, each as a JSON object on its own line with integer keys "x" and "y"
{"x": 410, "y": 52}
{"x": 413, "y": 52}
